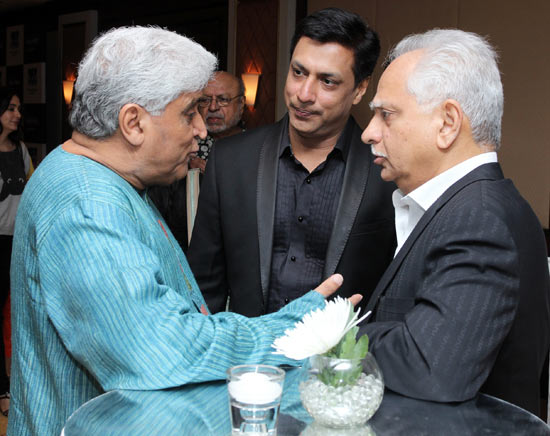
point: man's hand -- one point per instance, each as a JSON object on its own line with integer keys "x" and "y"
{"x": 331, "y": 285}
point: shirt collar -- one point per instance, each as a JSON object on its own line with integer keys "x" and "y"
{"x": 428, "y": 193}
{"x": 410, "y": 208}
{"x": 343, "y": 143}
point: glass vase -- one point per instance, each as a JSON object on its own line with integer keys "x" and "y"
{"x": 342, "y": 393}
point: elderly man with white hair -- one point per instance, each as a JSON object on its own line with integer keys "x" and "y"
{"x": 103, "y": 297}
{"x": 464, "y": 306}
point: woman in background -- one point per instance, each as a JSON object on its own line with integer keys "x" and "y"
{"x": 15, "y": 169}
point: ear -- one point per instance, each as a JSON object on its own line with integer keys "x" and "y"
{"x": 131, "y": 122}
{"x": 451, "y": 123}
{"x": 360, "y": 90}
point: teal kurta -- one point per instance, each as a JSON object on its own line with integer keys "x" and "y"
{"x": 103, "y": 298}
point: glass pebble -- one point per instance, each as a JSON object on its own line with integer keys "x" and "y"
{"x": 342, "y": 406}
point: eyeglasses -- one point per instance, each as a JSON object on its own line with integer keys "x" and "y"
{"x": 222, "y": 101}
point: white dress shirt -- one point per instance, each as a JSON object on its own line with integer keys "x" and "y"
{"x": 410, "y": 208}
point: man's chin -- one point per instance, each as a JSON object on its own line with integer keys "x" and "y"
{"x": 215, "y": 128}
{"x": 387, "y": 175}
{"x": 303, "y": 127}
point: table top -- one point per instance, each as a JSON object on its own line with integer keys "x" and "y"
{"x": 202, "y": 409}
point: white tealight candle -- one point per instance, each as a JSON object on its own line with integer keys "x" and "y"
{"x": 254, "y": 388}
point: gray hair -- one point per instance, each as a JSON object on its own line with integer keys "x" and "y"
{"x": 148, "y": 66}
{"x": 462, "y": 66}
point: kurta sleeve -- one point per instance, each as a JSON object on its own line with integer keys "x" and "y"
{"x": 107, "y": 292}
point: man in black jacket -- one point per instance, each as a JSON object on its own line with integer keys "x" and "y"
{"x": 285, "y": 205}
{"x": 464, "y": 306}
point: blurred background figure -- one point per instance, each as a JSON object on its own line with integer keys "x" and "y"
{"x": 221, "y": 107}
{"x": 15, "y": 169}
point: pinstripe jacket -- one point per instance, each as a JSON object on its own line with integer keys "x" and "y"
{"x": 103, "y": 299}
{"x": 464, "y": 306}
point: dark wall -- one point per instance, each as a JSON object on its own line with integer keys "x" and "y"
{"x": 203, "y": 20}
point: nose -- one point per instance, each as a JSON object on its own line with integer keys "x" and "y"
{"x": 199, "y": 128}
{"x": 214, "y": 106}
{"x": 371, "y": 135}
{"x": 307, "y": 92}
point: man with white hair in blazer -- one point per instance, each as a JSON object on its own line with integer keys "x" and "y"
{"x": 464, "y": 306}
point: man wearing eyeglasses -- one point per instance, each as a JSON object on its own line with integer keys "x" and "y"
{"x": 283, "y": 205}
{"x": 221, "y": 107}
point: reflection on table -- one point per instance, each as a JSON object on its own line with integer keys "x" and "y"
{"x": 202, "y": 409}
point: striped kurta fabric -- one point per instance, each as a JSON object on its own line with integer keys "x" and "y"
{"x": 103, "y": 299}
{"x": 193, "y": 410}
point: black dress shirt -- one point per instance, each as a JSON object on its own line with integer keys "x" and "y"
{"x": 305, "y": 211}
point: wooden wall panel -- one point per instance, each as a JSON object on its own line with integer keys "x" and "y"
{"x": 520, "y": 32}
{"x": 256, "y": 51}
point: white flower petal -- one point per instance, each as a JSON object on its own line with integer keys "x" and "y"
{"x": 319, "y": 331}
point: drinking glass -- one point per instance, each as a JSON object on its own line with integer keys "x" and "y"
{"x": 254, "y": 398}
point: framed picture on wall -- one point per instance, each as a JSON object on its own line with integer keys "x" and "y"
{"x": 34, "y": 45}
{"x": 37, "y": 152}
{"x": 34, "y": 83}
{"x": 14, "y": 45}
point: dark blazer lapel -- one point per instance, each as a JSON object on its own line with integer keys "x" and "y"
{"x": 265, "y": 199}
{"x": 358, "y": 164}
{"x": 487, "y": 171}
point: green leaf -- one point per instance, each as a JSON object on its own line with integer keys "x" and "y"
{"x": 347, "y": 344}
{"x": 361, "y": 347}
{"x": 327, "y": 377}
{"x": 347, "y": 348}
{"x": 333, "y": 352}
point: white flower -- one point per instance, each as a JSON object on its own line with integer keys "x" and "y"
{"x": 319, "y": 331}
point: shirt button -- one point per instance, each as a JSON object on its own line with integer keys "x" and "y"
{"x": 300, "y": 218}
{"x": 308, "y": 180}
{"x": 293, "y": 258}
{"x": 287, "y": 300}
